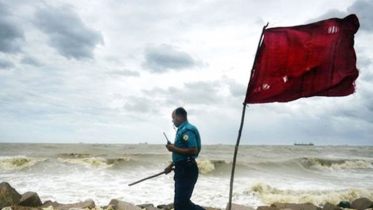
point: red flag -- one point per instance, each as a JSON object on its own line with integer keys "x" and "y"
{"x": 317, "y": 59}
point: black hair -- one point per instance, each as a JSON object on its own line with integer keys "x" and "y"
{"x": 181, "y": 112}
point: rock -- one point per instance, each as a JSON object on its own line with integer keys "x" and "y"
{"x": 267, "y": 208}
{"x": 81, "y": 205}
{"x": 147, "y": 207}
{"x": 209, "y": 208}
{"x": 8, "y": 195}
{"x": 329, "y": 206}
{"x": 30, "y": 199}
{"x": 361, "y": 204}
{"x": 121, "y": 205}
{"x": 239, "y": 207}
{"x": 166, "y": 207}
{"x": 144, "y": 206}
{"x": 344, "y": 204}
{"x": 151, "y": 208}
{"x": 19, "y": 208}
{"x": 294, "y": 206}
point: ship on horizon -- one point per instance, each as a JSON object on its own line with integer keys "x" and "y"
{"x": 304, "y": 144}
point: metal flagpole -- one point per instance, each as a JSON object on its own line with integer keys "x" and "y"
{"x": 240, "y": 131}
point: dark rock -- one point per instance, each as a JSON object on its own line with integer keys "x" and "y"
{"x": 150, "y": 208}
{"x": 239, "y": 207}
{"x": 329, "y": 206}
{"x": 294, "y": 206}
{"x": 361, "y": 204}
{"x": 121, "y": 205}
{"x": 344, "y": 204}
{"x": 166, "y": 207}
{"x": 267, "y": 208}
{"x": 81, "y": 205}
{"x": 209, "y": 208}
{"x": 8, "y": 195}
{"x": 20, "y": 208}
{"x": 147, "y": 207}
{"x": 30, "y": 199}
{"x": 143, "y": 206}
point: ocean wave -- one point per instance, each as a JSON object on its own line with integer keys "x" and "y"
{"x": 95, "y": 162}
{"x": 338, "y": 164}
{"x": 271, "y": 195}
{"x": 209, "y": 166}
{"x": 18, "y": 163}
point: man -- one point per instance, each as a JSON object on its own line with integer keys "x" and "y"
{"x": 185, "y": 150}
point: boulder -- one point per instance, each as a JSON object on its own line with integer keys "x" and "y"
{"x": 239, "y": 207}
{"x": 361, "y": 204}
{"x": 121, "y": 205}
{"x": 147, "y": 207}
{"x": 329, "y": 206}
{"x": 209, "y": 208}
{"x": 267, "y": 208}
{"x": 294, "y": 206}
{"x": 166, "y": 207}
{"x": 8, "y": 195}
{"x": 81, "y": 205}
{"x": 30, "y": 199}
{"x": 344, "y": 204}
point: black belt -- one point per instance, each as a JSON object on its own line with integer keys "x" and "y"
{"x": 187, "y": 160}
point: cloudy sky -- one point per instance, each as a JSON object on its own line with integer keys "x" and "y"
{"x": 112, "y": 72}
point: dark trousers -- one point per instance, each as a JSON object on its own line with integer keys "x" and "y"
{"x": 186, "y": 175}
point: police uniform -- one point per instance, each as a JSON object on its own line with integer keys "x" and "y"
{"x": 186, "y": 169}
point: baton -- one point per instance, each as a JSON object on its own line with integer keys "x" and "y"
{"x": 150, "y": 177}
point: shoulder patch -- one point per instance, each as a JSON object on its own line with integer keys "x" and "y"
{"x": 186, "y": 137}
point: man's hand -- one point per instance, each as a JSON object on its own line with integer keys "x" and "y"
{"x": 169, "y": 168}
{"x": 170, "y": 147}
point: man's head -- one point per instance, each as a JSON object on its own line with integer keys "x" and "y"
{"x": 179, "y": 116}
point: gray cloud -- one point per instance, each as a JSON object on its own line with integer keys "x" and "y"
{"x": 165, "y": 57}
{"x": 11, "y": 36}
{"x": 67, "y": 33}
{"x": 5, "y": 64}
{"x": 30, "y": 61}
{"x": 363, "y": 9}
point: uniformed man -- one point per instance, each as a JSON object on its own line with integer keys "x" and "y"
{"x": 185, "y": 150}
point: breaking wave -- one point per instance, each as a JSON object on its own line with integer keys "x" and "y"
{"x": 271, "y": 195}
{"x": 95, "y": 162}
{"x": 18, "y": 163}
{"x": 210, "y": 166}
{"x": 338, "y": 164}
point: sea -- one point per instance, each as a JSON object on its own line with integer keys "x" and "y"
{"x": 72, "y": 173}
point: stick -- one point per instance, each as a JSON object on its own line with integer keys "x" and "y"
{"x": 229, "y": 207}
{"x": 150, "y": 177}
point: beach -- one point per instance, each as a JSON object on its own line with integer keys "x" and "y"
{"x": 73, "y": 173}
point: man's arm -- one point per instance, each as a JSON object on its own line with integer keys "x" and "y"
{"x": 184, "y": 151}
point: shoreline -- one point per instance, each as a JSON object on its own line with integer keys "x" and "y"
{"x": 10, "y": 199}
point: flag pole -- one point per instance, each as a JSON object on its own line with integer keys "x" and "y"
{"x": 240, "y": 130}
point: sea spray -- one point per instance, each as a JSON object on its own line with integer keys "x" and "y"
{"x": 18, "y": 162}
{"x": 205, "y": 166}
{"x": 339, "y": 164}
{"x": 271, "y": 195}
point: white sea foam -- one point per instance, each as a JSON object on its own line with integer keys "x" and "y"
{"x": 205, "y": 166}
{"x": 18, "y": 162}
{"x": 271, "y": 195}
{"x": 88, "y": 162}
{"x": 341, "y": 164}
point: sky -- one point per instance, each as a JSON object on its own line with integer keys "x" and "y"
{"x": 113, "y": 71}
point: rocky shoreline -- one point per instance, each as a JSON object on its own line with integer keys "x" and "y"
{"x": 10, "y": 199}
